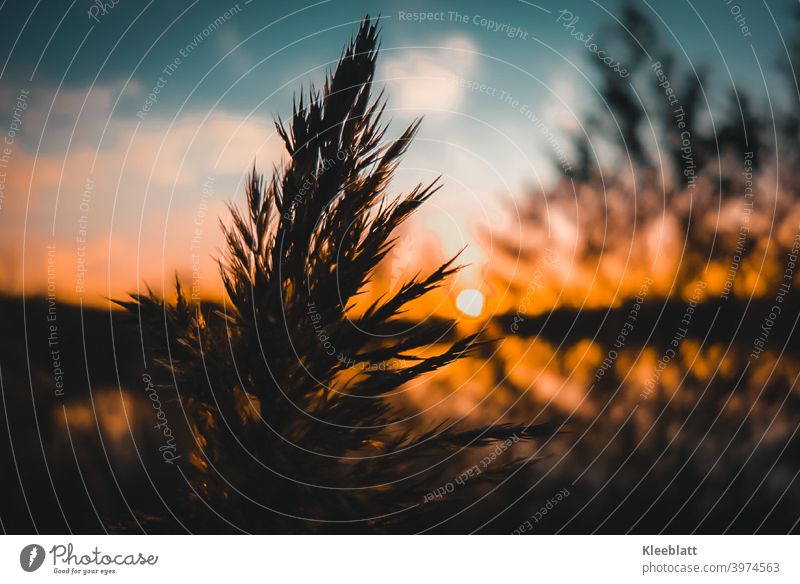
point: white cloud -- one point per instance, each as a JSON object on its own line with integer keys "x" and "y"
{"x": 427, "y": 81}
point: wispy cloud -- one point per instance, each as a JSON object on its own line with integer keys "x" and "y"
{"x": 427, "y": 81}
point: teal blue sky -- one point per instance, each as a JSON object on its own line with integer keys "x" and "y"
{"x": 259, "y": 56}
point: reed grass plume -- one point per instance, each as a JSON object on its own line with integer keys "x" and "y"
{"x": 284, "y": 384}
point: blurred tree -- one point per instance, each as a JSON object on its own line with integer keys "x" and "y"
{"x": 662, "y": 459}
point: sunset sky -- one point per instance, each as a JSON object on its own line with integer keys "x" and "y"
{"x": 601, "y": 296}
{"x": 127, "y": 129}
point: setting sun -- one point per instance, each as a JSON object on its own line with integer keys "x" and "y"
{"x": 470, "y": 302}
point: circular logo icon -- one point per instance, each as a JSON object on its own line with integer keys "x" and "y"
{"x": 31, "y": 557}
